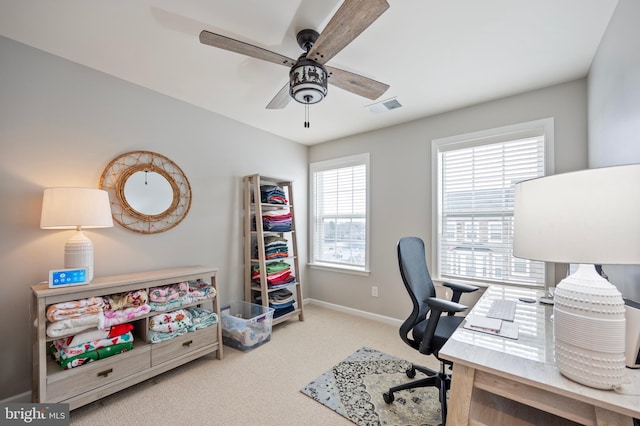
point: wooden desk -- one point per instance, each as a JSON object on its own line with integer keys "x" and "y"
{"x": 500, "y": 381}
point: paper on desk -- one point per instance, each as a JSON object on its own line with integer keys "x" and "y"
{"x": 506, "y": 329}
{"x": 489, "y": 324}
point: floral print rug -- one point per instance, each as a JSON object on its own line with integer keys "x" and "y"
{"x": 353, "y": 388}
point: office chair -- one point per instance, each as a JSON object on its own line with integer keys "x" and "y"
{"x": 426, "y": 330}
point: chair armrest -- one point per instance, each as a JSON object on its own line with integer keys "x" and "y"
{"x": 441, "y": 305}
{"x": 464, "y": 288}
{"x": 458, "y": 289}
{"x": 437, "y": 307}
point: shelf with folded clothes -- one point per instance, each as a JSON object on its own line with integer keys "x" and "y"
{"x": 67, "y": 319}
{"x": 111, "y": 347}
{"x": 271, "y": 260}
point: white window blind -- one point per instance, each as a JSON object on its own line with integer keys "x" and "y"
{"x": 339, "y": 213}
{"x": 476, "y": 180}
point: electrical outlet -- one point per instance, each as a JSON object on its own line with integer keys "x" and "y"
{"x": 374, "y": 291}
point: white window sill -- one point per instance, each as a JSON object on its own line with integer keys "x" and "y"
{"x": 340, "y": 269}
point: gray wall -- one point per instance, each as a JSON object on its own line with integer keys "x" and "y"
{"x": 614, "y": 111}
{"x": 401, "y": 179}
{"x": 60, "y": 125}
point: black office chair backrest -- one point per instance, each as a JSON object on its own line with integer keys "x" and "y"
{"x": 417, "y": 280}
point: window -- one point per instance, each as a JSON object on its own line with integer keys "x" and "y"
{"x": 476, "y": 177}
{"x": 339, "y": 213}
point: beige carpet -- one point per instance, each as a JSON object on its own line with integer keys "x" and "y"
{"x": 260, "y": 387}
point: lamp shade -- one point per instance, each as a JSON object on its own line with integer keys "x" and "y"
{"x": 70, "y": 208}
{"x": 590, "y": 216}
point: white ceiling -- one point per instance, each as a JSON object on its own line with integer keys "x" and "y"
{"x": 436, "y": 55}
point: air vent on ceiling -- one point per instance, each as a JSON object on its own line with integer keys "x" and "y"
{"x": 384, "y": 106}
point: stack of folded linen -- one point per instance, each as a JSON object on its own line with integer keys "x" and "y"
{"x": 168, "y": 325}
{"x": 91, "y": 345}
{"x": 277, "y": 221}
{"x": 201, "y": 318}
{"x": 272, "y": 194}
{"x": 74, "y": 316}
{"x": 281, "y": 300}
{"x": 275, "y": 247}
{"x": 198, "y": 290}
{"x": 278, "y": 274}
{"x": 168, "y": 297}
{"x": 124, "y": 307}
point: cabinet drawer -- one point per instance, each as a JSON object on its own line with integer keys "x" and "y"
{"x": 62, "y": 384}
{"x": 182, "y": 345}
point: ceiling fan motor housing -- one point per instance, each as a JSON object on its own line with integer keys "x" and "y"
{"x": 307, "y": 81}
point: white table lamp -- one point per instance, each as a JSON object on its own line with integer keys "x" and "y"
{"x": 76, "y": 208}
{"x": 586, "y": 217}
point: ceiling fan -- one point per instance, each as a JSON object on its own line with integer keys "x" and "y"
{"x": 308, "y": 76}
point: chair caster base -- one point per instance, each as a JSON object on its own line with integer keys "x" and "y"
{"x": 388, "y": 397}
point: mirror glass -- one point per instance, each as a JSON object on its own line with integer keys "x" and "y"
{"x": 148, "y": 192}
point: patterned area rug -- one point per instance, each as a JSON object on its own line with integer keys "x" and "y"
{"x": 354, "y": 388}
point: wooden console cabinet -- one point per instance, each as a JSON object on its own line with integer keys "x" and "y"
{"x": 90, "y": 382}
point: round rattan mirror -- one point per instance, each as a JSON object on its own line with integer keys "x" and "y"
{"x": 149, "y": 193}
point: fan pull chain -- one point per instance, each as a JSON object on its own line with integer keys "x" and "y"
{"x": 307, "y": 99}
{"x": 306, "y": 116}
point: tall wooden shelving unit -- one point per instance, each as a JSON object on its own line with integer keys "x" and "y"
{"x": 254, "y": 234}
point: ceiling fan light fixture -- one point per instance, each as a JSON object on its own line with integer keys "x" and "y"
{"x": 307, "y": 81}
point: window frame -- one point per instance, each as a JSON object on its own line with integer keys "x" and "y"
{"x": 543, "y": 127}
{"x": 332, "y": 164}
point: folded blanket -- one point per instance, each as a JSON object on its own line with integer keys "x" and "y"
{"x": 201, "y": 318}
{"x": 95, "y": 334}
{"x": 199, "y": 290}
{"x": 169, "y": 292}
{"x": 170, "y": 321}
{"x": 63, "y": 353}
{"x": 129, "y": 299}
{"x": 74, "y": 325}
{"x": 95, "y": 355}
{"x": 120, "y": 316}
{"x": 166, "y": 306}
{"x": 75, "y": 309}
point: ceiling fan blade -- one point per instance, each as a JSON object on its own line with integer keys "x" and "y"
{"x": 281, "y": 99}
{"x": 351, "y": 19}
{"x": 226, "y": 43}
{"x": 355, "y": 83}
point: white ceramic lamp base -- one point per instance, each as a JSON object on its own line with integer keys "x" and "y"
{"x": 78, "y": 253}
{"x": 589, "y": 329}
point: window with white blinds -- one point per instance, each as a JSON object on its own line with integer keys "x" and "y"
{"x": 339, "y": 212}
{"x": 475, "y": 189}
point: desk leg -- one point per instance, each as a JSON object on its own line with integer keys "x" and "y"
{"x": 460, "y": 395}
{"x": 609, "y": 418}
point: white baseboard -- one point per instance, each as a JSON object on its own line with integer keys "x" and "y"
{"x": 22, "y": 397}
{"x": 357, "y": 312}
